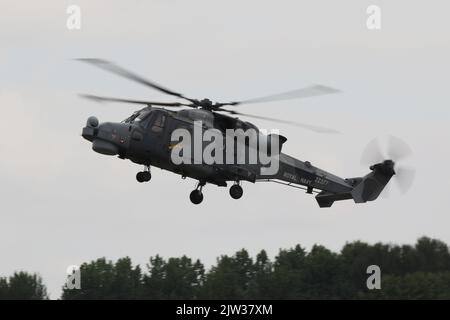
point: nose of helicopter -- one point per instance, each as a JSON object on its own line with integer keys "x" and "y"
{"x": 109, "y": 138}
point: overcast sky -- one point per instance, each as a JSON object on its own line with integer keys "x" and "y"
{"x": 63, "y": 204}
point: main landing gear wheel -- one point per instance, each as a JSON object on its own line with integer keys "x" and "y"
{"x": 236, "y": 191}
{"x": 196, "y": 195}
{"x": 143, "y": 176}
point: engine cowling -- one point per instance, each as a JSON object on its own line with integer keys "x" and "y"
{"x": 277, "y": 141}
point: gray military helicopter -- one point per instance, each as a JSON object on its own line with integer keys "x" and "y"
{"x": 145, "y": 139}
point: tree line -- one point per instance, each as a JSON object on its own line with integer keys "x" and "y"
{"x": 421, "y": 271}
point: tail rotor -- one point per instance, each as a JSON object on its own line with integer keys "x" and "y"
{"x": 393, "y": 149}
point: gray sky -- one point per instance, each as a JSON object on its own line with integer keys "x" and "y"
{"x": 63, "y": 204}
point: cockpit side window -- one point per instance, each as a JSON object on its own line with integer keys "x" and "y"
{"x": 131, "y": 118}
{"x": 158, "y": 124}
{"x": 138, "y": 117}
{"x": 142, "y": 117}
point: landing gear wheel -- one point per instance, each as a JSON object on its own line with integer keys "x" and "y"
{"x": 140, "y": 176}
{"x": 143, "y": 176}
{"x": 236, "y": 191}
{"x": 196, "y": 196}
{"x": 147, "y": 176}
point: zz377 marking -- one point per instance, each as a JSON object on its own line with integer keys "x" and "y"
{"x": 321, "y": 181}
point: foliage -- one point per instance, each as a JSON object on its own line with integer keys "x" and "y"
{"x": 22, "y": 286}
{"x": 407, "y": 272}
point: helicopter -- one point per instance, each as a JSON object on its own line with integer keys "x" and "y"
{"x": 146, "y": 138}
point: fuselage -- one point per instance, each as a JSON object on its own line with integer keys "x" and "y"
{"x": 146, "y": 138}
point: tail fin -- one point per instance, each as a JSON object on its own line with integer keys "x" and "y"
{"x": 366, "y": 188}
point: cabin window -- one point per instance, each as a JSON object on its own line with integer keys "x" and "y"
{"x": 158, "y": 124}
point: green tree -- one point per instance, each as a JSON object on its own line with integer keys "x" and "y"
{"x": 287, "y": 273}
{"x": 321, "y": 274}
{"x": 178, "y": 278}
{"x": 126, "y": 283}
{"x": 231, "y": 278}
{"x": 22, "y": 286}
{"x": 260, "y": 287}
{"x": 4, "y": 288}
{"x": 413, "y": 286}
{"x": 432, "y": 255}
{"x": 421, "y": 271}
{"x": 101, "y": 279}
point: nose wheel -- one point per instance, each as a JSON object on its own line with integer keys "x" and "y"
{"x": 144, "y": 176}
{"x": 196, "y": 195}
{"x": 236, "y": 191}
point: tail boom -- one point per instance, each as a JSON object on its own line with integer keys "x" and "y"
{"x": 366, "y": 188}
{"x": 333, "y": 188}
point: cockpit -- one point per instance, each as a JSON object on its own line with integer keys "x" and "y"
{"x": 153, "y": 119}
{"x": 138, "y": 116}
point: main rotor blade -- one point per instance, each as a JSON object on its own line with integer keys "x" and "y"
{"x": 111, "y": 67}
{"x": 109, "y": 99}
{"x": 311, "y": 91}
{"x": 144, "y": 102}
{"x": 293, "y": 123}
